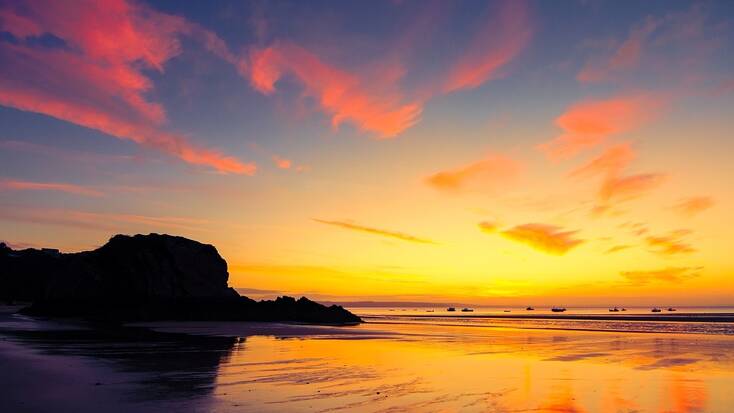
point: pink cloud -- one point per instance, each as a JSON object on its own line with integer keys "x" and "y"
{"x": 493, "y": 171}
{"x": 97, "y": 79}
{"x": 545, "y": 238}
{"x": 370, "y": 98}
{"x": 590, "y": 123}
{"x": 16, "y": 185}
{"x": 496, "y": 43}
{"x": 282, "y": 163}
{"x": 694, "y": 205}
{"x": 624, "y": 57}
{"x": 345, "y": 96}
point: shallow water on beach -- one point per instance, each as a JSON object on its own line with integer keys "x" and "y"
{"x": 395, "y": 367}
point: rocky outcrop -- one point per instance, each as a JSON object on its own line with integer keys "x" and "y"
{"x": 143, "y": 277}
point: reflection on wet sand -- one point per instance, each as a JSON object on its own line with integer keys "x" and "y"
{"x": 441, "y": 369}
{"x": 400, "y": 368}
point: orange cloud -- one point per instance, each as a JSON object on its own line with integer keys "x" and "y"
{"x": 499, "y": 41}
{"x": 490, "y": 172}
{"x": 617, "y": 187}
{"x": 671, "y": 244}
{"x": 98, "y": 79}
{"x": 590, "y": 123}
{"x": 343, "y": 95}
{"x": 670, "y": 274}
{"x": 625, "y": 188}
{"x": 545, "y": 238}
{"x": 611, "y": 162}
{"x": 693, "y": 205}
{"x": 488, "y": 227}
{"x": 376, "y": 231}
{"x": 282, "y": 163}
{"x": 9, "y": 184}
{"x": 624, "y": 57}
{"x": 616, "y": 248}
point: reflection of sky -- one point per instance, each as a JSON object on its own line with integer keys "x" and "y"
{"x": 372, "y": 367}
{"x": 314, "y": 143}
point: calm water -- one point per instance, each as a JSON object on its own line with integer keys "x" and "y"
{"x": 386, "y": 365}
{"x": 501, "y": 317}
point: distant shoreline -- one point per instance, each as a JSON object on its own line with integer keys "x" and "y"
{"x": 679, "y": 317}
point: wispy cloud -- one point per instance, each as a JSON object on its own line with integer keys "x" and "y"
{"x": 491, "y": 172}
{"x": 623, "y": 57}
{"x": 370, "y": 97}
{"x": 344, "y": 95}
{"x": 376, "y": 231}
{"x": 611, "y": 162}
{"x": 625, "y": 188}
{"x": 693, "y": 205}
{"x": 18, "y": 185}
{"x": 102, "y": 221}
{"x": 549, "y": 239}
{"x": 500, "y": 39}
{"x": 98, "y": 78}
{"x": 675, "y": 47}
{"x": 615, "y": 186}
{"x": 669, "y": 274}
{"x": 617, "y": 248}
{"x": 589, "y": 123}
{"x": 488, "y": 227}
{"x": 670, "y": 244}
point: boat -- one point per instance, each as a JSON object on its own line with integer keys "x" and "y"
{"x": 624, "y": 309}
{"x": 656, "y": 310}
{"x": 671, "y": 309}
{"x": 429, "y": 311}
{"x": 507, "y": 311}
{"x": 451, "y": 309}
{"x": 558, "y": 309}
{"x": 614, "y": 310}
{"x": 466, "y": 310}
{"x": 529, "y": 309}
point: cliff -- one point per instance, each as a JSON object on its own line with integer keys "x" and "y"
{"x": 143, "y": 277}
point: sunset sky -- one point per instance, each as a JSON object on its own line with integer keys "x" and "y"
{"x": 541, "y": 152}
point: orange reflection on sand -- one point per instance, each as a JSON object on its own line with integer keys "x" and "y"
{"x": 406, "y": 368}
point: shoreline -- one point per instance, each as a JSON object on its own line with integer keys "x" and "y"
{"x": 679, "y": 317}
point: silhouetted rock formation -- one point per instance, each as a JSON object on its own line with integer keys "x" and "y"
{"x": 143, "y": 277}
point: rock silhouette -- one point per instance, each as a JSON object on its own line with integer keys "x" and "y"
{"x": 143, "y": 277}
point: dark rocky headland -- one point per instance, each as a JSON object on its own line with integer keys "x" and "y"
{"x": 144, "y": 277}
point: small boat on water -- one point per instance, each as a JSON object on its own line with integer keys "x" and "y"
{"x": 507, "y": 311}
{"x": 529, "y": 309}
{"x": 614, "y": 310}
{"x": 656, "y": 310}
{"x": 429, "y": 311}
{"x": 671, "y": 309}
{"x": 624, "y": 309}
{"x": 451, "y": 309}
{"x": 466, "y": 310}
{"x": 558, "y": 309}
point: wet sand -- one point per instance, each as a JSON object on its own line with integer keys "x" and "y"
{"x": 397, "y": 367}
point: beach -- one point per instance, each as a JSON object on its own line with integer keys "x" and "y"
{"x": 379, "y": 366}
